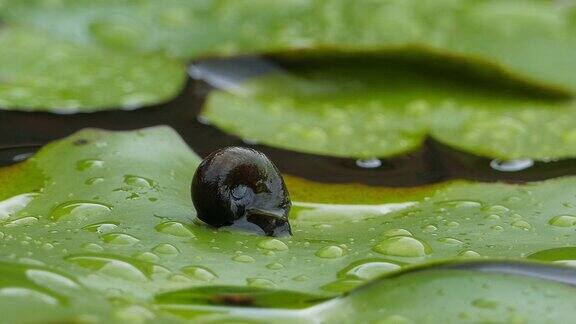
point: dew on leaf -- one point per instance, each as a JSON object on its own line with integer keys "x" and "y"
{"x": 404, "y": 246}
{"x": 273, "y": 245}
{"x": 199, "y": 273}
{"x": 79, "y": 210}
{"x": 88, "y": 164}
{"x": 175, "y": 229}
{"x": 165, "y": 248}
{"x": 243, "y": 258}
{"x": 11, "y": 206}
{"x": 371, "y": 270}
{"x": 331, "y": 252}
{"x": 119, "y": 239}
{"x": 563, "y": 221}
{"x": 102, "y": 227}
{"x": 109, "y": 266}
{"x": 260, "y": 282}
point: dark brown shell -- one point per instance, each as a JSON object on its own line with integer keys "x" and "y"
{"x": 241, "y": 187}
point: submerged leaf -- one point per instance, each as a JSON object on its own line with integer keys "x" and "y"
{"x": 42, "y": 73}
{"x": 112, "y": 211}
{"x": 386, "y": 108}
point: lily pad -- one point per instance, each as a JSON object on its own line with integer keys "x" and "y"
{"x": 509, "y": 37}
{"x": 383, "y": 109}
{"x": 438, "y": 293}
{"x": 118, "y": 221}
{"x": 42, "y": 73}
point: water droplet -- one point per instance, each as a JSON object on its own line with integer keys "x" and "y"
{"x": 243, "y": 258}
{"x": 301, "y": 278}
{"x": 137, "y": 181}
{"x": 429, "y": 228}
{"x": 331, "y": 252}
{"x": 521, "y": 224}
{"x": 86, "y": 164}
{"x": 28, "y": 294}
{"x": 175, "y": 228}
{"x": 110, "y": 267}
{"x": 275, "y": 266}
{"x": 469, "y": 254}
{"x": 199, "y": 273}
{"x": 405, "y": 246}
{"x": 119, "y": 239}
{"x": 101, "y": 228}
{"x": 80, "y": 210}
{"x": 24, "y": 221}
{"x": 165, "y": 248}
{"x": 512, "y": 165}
{"x": 371, "y": 163}
{"x": 493, "y": 217}
{"x": 260, "y": 282}
{"x": 50, "y": 280}
{"x": 450, "y": 240}
{"x": 272, "y": 245}
{"x": 497, "y": 227}
{"x": 11, "y": 206}
{"x": 398, "y": 232}
{"x": 371, "y": 270}
{"x": 563, "y": 221}
{"x": 147, "y": 256}
{"x": 93, "y": 247}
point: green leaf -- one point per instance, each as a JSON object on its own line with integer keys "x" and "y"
{"x": 41, "y": 73}
{"x": 509, "y": 37}
{"x": 112, "y": 211}
{"x": 388, "y": 108}
{"x": 447, "y": 293}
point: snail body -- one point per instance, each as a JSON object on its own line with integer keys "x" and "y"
{"x": 241, "y": 187}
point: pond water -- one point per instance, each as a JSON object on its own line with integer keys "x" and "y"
{"x": 22, "y": 133}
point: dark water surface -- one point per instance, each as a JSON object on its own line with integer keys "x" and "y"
{"x": 22, "y": 133}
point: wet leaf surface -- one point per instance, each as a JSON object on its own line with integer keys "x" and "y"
{"x": 112, "y": 214}
{"x": 388, "y": 108}
{"x": 41, "y": 73}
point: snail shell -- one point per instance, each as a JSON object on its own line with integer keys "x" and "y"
{"x": 241, "y": 187}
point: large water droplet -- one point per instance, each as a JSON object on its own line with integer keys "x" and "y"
{"x": 24, "y": 221}
{"x": 175, "y": 228}
{"x": 110, "y": 266}
{"x": 28, "y": 294}
{"x": 563, "y": 221}
{"x": 11, "y": 206}
{"x": 86, "y": 164}
{"x": 331, "y": 252}
{"x": 137, "y": 181}
{"x": 260, "y": 282}
{"x": 101, "y": 228}
{"x": 398, "y": 232}
{"x": 80, "y": 210}
{"x": 50, "y": 280}
{"x": 405, "y": 246}
{"x": 371, "y": 270}
{"x": 511, "y": 165}
{"x": 119, "y": 239}
{"x": 371, "y": 163}
{"x": 165, "y": 248}
{"x": 199, "y": 273}
{"x": 272, "y": 245}
{"x": 243, "y": 258}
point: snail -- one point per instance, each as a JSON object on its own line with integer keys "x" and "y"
{"x": 241, "y": 188}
